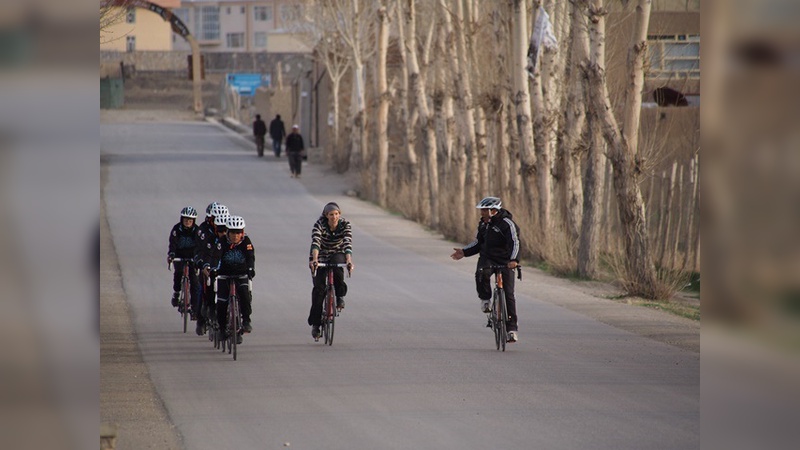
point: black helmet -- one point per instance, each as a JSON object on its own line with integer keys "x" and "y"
{"x": 490, "y": 203}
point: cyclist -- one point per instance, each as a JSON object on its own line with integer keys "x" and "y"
{"x": 206, "y": 240}
{"x": 182, "y": 243}
{"x": 497, "y": 243}
{"x": 237, "y": 257}
{"x": 332, "y": 241}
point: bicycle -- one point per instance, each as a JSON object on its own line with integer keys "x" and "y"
{"x": 234, "y": 327}
{"x": 329, "y": 310}
{"x": 184, "y": 307}
{"x": 498, "y": 315}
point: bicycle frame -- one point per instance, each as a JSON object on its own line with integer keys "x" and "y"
{"x": 185, "y": 291}
{"x": 498, "y": 316}
{"x": 329, "y": 311}
{"x": 234, "y": 326}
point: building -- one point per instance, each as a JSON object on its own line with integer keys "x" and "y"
{"x": 241, "y": 26}
{"x": 138, "y": 29}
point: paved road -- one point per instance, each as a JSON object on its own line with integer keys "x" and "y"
{"x": 412, "y": 365}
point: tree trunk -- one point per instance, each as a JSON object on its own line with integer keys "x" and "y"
{"x": 522, "y": 101}
{"x": 641, "y": 275}
{"x": 417, "y": 85}
{"x": 357, "y": 117}
{"x": 383, "y": 106}
{"x": 693, "y": 214}
{"x": 413, "y": 171}
{"x": 574, "y": 120}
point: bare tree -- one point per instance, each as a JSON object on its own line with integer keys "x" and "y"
{"x": 383, "y": 103}
{"x": 623, "y": 144}
{"x": 112, "y": 12}
{"x": 418, "y": 87}
{"x": 595, "y": 162}
{"x": 331, "y": 50}
{"x": 522, "y": 99}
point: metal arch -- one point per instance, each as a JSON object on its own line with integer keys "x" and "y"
{"x": 180, "y": 28}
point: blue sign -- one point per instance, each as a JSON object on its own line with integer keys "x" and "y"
{"x": 247, "y": 83}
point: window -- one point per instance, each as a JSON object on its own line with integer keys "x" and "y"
{"x": 206, "y": 23}
{"x": 228, "y": 10}
{"x": 130, "y": 16}
{"x": 262, "y": 13}
{"x": 674, "y": 57}
{"x": 130, "y": 43}
{"x": 260, "y": 39}
{"x": 290, "y": 13}
{"x": 234, "y": 40}
{"x": 241, "y": 10}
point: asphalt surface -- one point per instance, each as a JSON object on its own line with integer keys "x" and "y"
{"x": 412, "y": 366}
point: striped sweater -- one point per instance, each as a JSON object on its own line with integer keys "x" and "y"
{"x": 330, "y": 242}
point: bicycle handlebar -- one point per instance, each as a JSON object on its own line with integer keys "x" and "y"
{"x": 228, "y": 277}
{"x": 322, "y": 264}
{"x": 169, "y": 263}
{"x": 494, "y": 268}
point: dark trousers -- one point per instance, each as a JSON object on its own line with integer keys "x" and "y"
{"x": 295, "y": 161}
{"x": 209, "y": 298}
{"x": 245, "y": 301}
{"x": 195, "y": 291}
{"x": 260, "y": 145}
{"x": 318, "y": 292}
{"x": 276, "y": 146}
{"x": 484, "y": 286}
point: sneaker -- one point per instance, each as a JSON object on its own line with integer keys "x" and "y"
{"x": 486, "y": 306}
{"x": 201, "y": 328}
{"x": 246, "y": 327}
{"x": 339, "y": 303}
{"x": 315, "y": 332}
{"x": 239, "y": 339}
{"x": 512, "y": 336}
{"x": 488, "y": 323}
{"x": 176, "y": 297}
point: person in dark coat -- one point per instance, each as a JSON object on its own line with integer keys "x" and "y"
{"x": 259, "y": 131}
{"x": 277, "y": 132}
{"x": 294, "y": 150}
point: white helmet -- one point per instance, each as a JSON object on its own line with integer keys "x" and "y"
{"x": 235, "y": 223}
{"x": 490, "y": 203}
{"x": 208, "y": 208}
{"x": 221, "y": 220}
{"x": 189, "y": 212}
{"x": 218, "y": 210}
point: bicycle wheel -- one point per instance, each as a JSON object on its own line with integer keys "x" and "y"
{"x": 503, "y": 317}
{"x": 185, "y": 302}
{"x": 326, "y": 314}
{"x": 494, "y": 317}
{"x": 331, "y": 315}
{"x": 232, "y": 307}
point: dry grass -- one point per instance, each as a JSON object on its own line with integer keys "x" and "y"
{"x": 668, "y": 281}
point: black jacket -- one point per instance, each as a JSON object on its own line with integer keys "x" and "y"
{"x": 205, "y": 238}
{"x": 259, "y": 128}
{"x": 182, "y": 241}
{"x": 276, "y": 130}
{"x": 294, "y": 143}
{"x": 497, "y": 241}
{"x": 237, "y": 259}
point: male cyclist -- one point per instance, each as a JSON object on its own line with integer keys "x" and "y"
{"x": 331, "y": 241}
{"x": 206, "y": 239}
{"x": 236, "y": 258}
{"x": 182, "y": 243}
{"x": 497, "y": 243}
